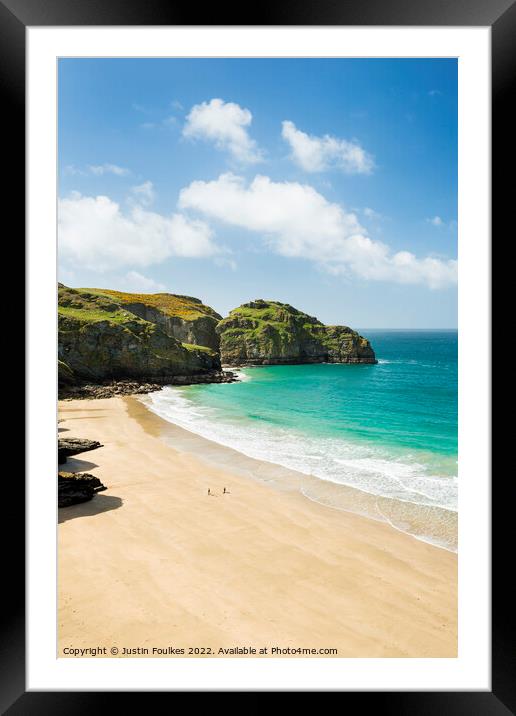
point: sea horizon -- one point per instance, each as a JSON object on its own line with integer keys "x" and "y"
{"x": 443, "y": 330}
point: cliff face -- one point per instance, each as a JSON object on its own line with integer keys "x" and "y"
{"x": 182, "y": 317}
{"x": 100, "y": 338}
{"x": 269, "y": 332}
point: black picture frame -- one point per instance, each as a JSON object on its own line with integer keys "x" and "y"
{"x": 500, "y": 15}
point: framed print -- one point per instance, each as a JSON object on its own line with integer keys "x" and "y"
{"x": 258, "y": 353}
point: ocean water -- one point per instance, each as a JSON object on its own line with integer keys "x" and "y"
{"x": 376, "y": 439}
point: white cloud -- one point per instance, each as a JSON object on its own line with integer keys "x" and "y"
{"x": 226, "y": 125}
{"x": 73, "y": 170}
{"x": 372, "y": 214}
{"x": 296, "y": 221}
{"x": 441, "y": 223}
{"x": 317, "y": 154}
{"x": 436, "y": 221}
{"x": 138, "y": 283}
{"x": 144, "y": 193}
{"x": 100, "y": 169}
{"x": 97, "y": 170}
{"x": 95, "y": 233}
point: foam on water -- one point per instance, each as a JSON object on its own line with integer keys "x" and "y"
{"x": 241, "y": 374}
{"x": 343, "y": 462}
{"x": 403, "y": 494}
{"x": 379, "y": 439}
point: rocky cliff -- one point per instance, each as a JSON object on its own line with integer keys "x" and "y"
{"x": 182, "y": 317}
{"x": 99, "y": 338}
{"x": 269, "y": 332}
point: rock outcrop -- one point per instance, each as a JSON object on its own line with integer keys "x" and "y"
{"x": 67, "y": 447}
{"x": 268, "y": 332}
{"x": 75, "y": 487}
{"x": 65, "y": 375}
{"x": 110, "y": 388}
{"x": 100, "y": 338}
{"x": 183, "y": 317}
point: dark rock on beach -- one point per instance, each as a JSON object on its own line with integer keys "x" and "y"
{"x": 75, "y": 487}
{"x": 221, "y": 376}
{"x": 66, "y": 447}
{"x": 84, "y": 390}
{"x": 110, "y": 388}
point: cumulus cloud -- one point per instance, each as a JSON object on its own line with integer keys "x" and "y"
{"x": 94, "y": 232}
{"x": 100, "y": 169}
{"x": 144, "y": 193}
{"x": 318, "y": 154}
{"x": 226, "y": 125}
{"x": 296, "y": 221}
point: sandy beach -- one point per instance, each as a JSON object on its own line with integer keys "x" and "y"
{"x": 154, "y": 562}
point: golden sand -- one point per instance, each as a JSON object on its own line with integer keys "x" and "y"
{"x": 155, "y": 562}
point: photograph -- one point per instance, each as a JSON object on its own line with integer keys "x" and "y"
{"x": 257, "y": 357}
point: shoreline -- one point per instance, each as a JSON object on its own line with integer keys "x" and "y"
{"x": 436, "y": 525}
{"x": 82, "y": 389}
{"x": 153, "y": 561}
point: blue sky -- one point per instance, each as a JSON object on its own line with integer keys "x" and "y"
{"x": 330, "y": 184}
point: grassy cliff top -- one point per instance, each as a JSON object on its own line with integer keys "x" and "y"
{"x": 268, "y": 332}
{"x": 90, "y": 305}
{"x": 260, "y": 315}
{"x": 84, "y": 305}
{"x": 172, "y": 304}
{"x": 264, "y": 311}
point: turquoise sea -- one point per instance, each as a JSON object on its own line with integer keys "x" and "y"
{"x": 377, "y": 439}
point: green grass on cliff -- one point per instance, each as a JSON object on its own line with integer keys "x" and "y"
{"x": 93, "y": 314}
{"x": 83, "y": 305}
{"x": 266, "y": 323}
{"x": 171, "y": 304}
{"x": 91, "y": 306}
{"x": 267, "y": 311}
{"x": 268, "y": 314}
{"x": 194, "y": 347}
